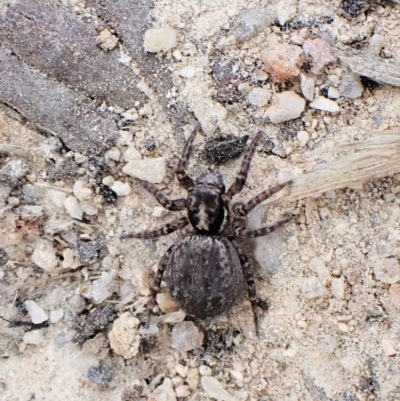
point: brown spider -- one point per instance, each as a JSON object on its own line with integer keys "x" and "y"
{"x": 205, "y": 267}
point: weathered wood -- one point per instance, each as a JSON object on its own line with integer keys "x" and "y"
{"x": 367, "y": 65}
{"x": 47, "y": 37}
{"x": 54, "y": 108}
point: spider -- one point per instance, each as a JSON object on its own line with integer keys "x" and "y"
{"x": 205, "y": 267}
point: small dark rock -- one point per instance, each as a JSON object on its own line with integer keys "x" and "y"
{"x": 219, "y": 151}
{"x": 108, "y": 194}
{"x": 101, "y": 375}
{"x": 132, "y": 394}
{"x": 97, "y": 321}
{"x": 226, "y": 81}
{"x": 150, "y": 144}
{"x": 3, "y": 257}
{"x": 88, "y": 250}
{"x": 355, "y": 7}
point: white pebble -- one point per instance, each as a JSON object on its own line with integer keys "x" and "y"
{"x": 124, "y": 58}
{"x": 394, "y": 292}
{"x": 152, "y": 170}
{"x": 311, "y": 288}
{"x": 303, "y": 137}
{"x": 109, "y": 181}
{"x": 259, "y": 97}
{"x": 337, "y": 287}
{"x": 351, "y": 86}
{"x": 44, "y": 255}
{"x": 387, "y": 270}
{"x": 333, "y": 93}
{"x": 205, "y": 370}
{"x": 71, "y": 204}
{"x": 318, "y": 266}
{"x": 131, "y": 114}
{"x": 164, "y": 392}
{"x": 56, "y": 197}
{"x": 214, "y": 389}
{"x": 37, "y": 314}
{"x": 160, "y": 39}
{"x": 182, "y": 391}
{"x": 325, "y": 104}
{"x": 89, "y": 208}
{"x": 113, "y": 154}
{"x": 81, "y": 191}
{"x": 187, "y": 72}
{"x": 34, "y": 337}
{"x": 388, "y": 348}
{"x": 121, "y": 188}
{"x": 124, "y": 337}
{"x": 131, "y": 153}
{"x": 307, "y": 82}
{"x": 287, "y": 106}
{"x": 158, "y": 211}
{"x": 174, "y": 317}
{"x": 181, "y": 370}
{"x": 185, "y": 336}
{"x": 56, "y": 315}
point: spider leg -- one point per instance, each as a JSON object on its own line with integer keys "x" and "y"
{"x": 159, "y": 231}
{"x": 183, "y": 178}
{"x": 157, "y": 281}
{"x": 240, "y": 180}
{"x": 251, "y": 285}
{"x": 173, "y": 205}
{"x": 259, "y": 198}
{"x": 239, "y": 226}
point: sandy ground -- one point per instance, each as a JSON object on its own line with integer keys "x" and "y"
{"x": 332, "y": 331}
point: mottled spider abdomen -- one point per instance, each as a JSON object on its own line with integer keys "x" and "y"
{"x": 204, "y": 275}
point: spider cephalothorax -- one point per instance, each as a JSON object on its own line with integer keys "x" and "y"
{"x": 205, "y": 267}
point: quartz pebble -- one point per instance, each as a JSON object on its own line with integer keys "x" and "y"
{"x": 320, "y": 52}
{"x": 174, "y": 317}
{"x": 131, "y": 114}
{"x": 181, "y": 370}
{"x": 34, "y": 337}
{"x": 81, "y": 191}
{"x": 388, "y": 348}
{"x": 99, "y": 290}
{"x": 283, "y": 61}
{"x": 44, "y": 255}
{"x": 337, "y": 287}
{"x": 311, "y": 288}
{"x": 394, "y": 293}
{"x": 182, "y": 391}
{"x": 73, "y": 208}
{"x": 124, "y": 337}
{"x": 214, "y": 389}
{"x": 251, "y": 21}
{"x": 351, "y": 86}
{"x": 318, "y": 266}
{"x": 205, "y": 370}
{"x": 185, "y": 336}
{"x": 307, "y": 82}
{"x": 333, "y": 93}
{"x": 152, "y": 170}
{"x": 376, "y": 43}
{"x": 121, "y": 188}
{"x": 160, "y": 39}
{"x": 387, "y": 270}
{"x": 303, "y": 137}
{"x": 56, "y": 315}
{"x": 259, "y": 97}
{"x": 325, "y": 104}
{"x": 131, "y": 153}
{"x": 193, "y": 378}
{"x": 287, "y": 106}
{"x": 187, "y": 72}
{"x": 37, "y": 314}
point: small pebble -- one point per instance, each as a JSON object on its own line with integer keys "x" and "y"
{"x": 259, "y": 97}
{"x": 307, "y": 82}
{"x": 56, "y": 315}
{"x": 88, "y": 208}
{"x": 34, "y": 337}
{"x": 333, "y": 93}
{"x": 182, "y": 391}
{"x": 312, "y": 288}
{"x": 124, "y": 337}
{"x": 287, "y": 106}
{"x": 303, "y": 137}
{"x": 56, "y": 197}
{"x": 283, "y": 61}
{"x": 152, "y": 170}
{"x": 351, "y": 86}
{"x": 181, "y": 370}
{"x": 337, "y": 287}
{"x": 131, "y": 114}
{"x": 99, "y": 290}
{"x": 318, "y": 266}
{"x": 193, "y": 378}
{"x": 205, "y": 370}
{"x": 251, "y": 21}
{"x": 185, "y": 336}
{"x": 37, "y": 314}
{"x": 121, "y": 188}
{"x": 214, "y": 389}
{"x": 124, "y": 58}
{"x": 320, "y": 52}
{"x": 376, "y": 43}
{"x": 388, "y": 348}
{"x": 158, "y": 212}
{"x": 44, "y": 255}
{"x": 106, "y": 40}
{"x": 174, "y": 317}
{"x": 160, "y": 39}
{"x": 394, "y": 292}
{"x": 73, "y": 208}
{"x": 187, "y": 72}
{"x": 101, "y": 375}
{"x": 325, "y": 104}
{"x": 343, "y": 327}
{"x": 387, "y": 270}
{"x": 81, "y": 191}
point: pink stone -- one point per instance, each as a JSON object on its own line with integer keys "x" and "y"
{"x": 320, "y": 53}
{"x": 283, "y": 61}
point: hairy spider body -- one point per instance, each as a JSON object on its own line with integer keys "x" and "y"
{"x": 205, "y": 268}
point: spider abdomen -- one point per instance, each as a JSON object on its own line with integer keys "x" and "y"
{"x": 204, "y": 275}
